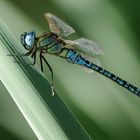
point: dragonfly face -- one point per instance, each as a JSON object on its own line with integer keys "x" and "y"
{"x": 28, "y": 39}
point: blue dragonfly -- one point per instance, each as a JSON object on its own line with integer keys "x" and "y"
{"x": 81, "y": 51}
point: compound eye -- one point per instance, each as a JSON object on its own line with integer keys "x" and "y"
{"x": 27, "y": 40}
{"x": 22, "y": 38}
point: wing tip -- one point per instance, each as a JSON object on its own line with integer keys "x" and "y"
{"x": 47, "y": 14}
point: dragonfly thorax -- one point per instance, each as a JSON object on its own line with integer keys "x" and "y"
{"x": 50, "y": 43}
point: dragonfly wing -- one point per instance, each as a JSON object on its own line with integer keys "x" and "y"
{"x": 58, "y": 26}
{"x": 86, "y": 46}
{"x": 90, "y": 57}
{"x": 71, "y": 45}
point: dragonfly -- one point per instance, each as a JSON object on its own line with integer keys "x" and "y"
{"x": 81, "y": 51}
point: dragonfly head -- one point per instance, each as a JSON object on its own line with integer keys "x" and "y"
{"x": 28, "y": 39}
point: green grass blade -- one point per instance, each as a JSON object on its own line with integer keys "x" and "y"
{"x": 48, "y": 116}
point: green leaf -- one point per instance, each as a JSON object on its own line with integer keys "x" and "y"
{"x": 48, "y": 116}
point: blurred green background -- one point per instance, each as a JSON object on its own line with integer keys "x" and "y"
{"x": 105, "y": 110}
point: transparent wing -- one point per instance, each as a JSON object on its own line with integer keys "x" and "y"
{"x": 88, "y": 50}
{"x": 58, "y": 26}
{"x": 92, "y": 59}
{"x": 86, "y": 46}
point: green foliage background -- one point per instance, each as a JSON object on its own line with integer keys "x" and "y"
{"x": 104, "y": 109}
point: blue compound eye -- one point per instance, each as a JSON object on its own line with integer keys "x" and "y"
{"x": 28, "y": 39}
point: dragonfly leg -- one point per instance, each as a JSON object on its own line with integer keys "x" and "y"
{"x": 52, "y": 84}
{"x": 24, "y": 63}
{"x": 20, "y": 54}
{"x": 41, "y": 64}
{"x": 34, "y": 57}
{"x": 16, "y": 54}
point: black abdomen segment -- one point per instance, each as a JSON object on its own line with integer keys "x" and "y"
{"x": 75, "y": 58}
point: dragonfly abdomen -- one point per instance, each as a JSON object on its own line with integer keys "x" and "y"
{"x": 75, "y": 58}
{"x": 116, "y": 79}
